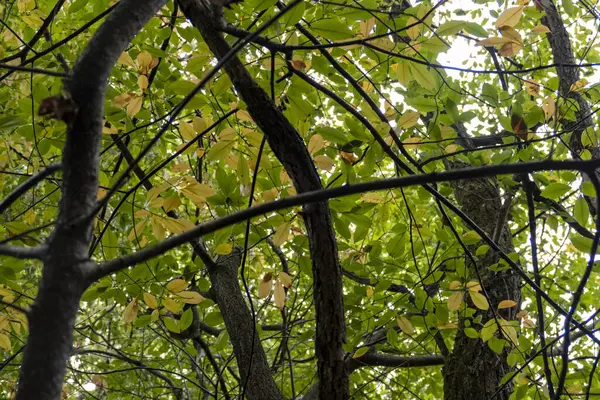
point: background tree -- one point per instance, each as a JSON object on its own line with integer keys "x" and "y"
{"x": 202, "y": 201}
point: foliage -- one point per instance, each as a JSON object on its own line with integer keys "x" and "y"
{"x": 408, "y": 285}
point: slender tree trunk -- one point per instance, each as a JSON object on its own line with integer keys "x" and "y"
{"x": 52, "y": 316}
{"x": 290, "y": 149}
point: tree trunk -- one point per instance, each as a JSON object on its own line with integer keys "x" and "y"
{"x": 473, "y": 370}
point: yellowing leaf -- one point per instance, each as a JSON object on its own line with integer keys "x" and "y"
{"x": 281, "y": 233}
{"x": 423, "y": 76}
{"x": 131, "y": 311}
{"x": 220, "y": 150}
{"x": 479, "y": 300}
{"x": 506, "y": 304}
{"x": 187, "y": 130}
{"x": 158, "y": 231}
{"x": 408, "y": 120}
{"x": 411, "y": 142}
{"x": 223, "y": 248}
{"x": 366, "y": 27}
{"x": 371, "y": 197}
{"x": 473, "y": 286}
{"x": 265, "y": 285}
{"x": 144, "y": 59}
{"x": 171, "y": 203}
{"x": 126, "y": 59}
{"x": 176, "y": 285}
{"x": 134, "y": 106}
{"x": 190, "y": 297}
{"x": 414, "y": 31}
{"x": 150, "y": 301}
{"x": 175, "y": 306}
{"x": 451, "y": 148}
{"x": 510, "y": 33}
{"x": 315, "y": 143}
{"x": 494, "y": 41}
{"x": 285, "y": 279}
{"x": 370, "y": 291}
{"x": 447, "y": 325}
{"x": 455, "y": 285}
{"x": 403, "y": 73}
{"x": 540, "y": 29}
{"x": 5, "y": 342}
{"x": 509, "y": 17}
{"x": 454, "y": 301}
{"x": 549, "y": 108}
{"x": 510, "y": 333}
{"x": 510, "y": 49}
{"x": 279, "y": 295}
{"x": 143, "y": 82}
{"x": 324, "y": 162}
{"x": 405, "y": 324}
{"x": 244, "y": 116}
{"x": 199, "y": 124}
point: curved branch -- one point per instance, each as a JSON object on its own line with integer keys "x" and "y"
{"x": 37, "y": 252}
{"x": 28, "y": 184}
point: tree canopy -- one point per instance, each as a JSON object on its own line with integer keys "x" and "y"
{"x": 320, "y": 199}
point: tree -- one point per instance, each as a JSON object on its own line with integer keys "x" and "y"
{"x": 216, "y": 199}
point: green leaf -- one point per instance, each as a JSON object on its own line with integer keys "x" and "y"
{"x": 476, "y": 29}
{"x": 293, "y": 16}
{"x": 581, "y": 243}
{"x": 581, "y": 212}
{"x": 587, "y": 188}
{"x": 171, "y": 324}
{"x": 449, "y": 28}
{"x": 332, "y": 29}
{"x": 11, "y": 122}
{"x": 555, "y": 190}
{"x": 423, "y": 76}
{"x": 187, "y": 317}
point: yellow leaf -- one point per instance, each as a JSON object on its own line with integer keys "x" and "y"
{"x": 126, "y": 59}
{"x": 324, "y": 162}
{"x": 199, "y": 124}
{"x": 370, "y": 291}
{"x": 131, "y": 311}
{"x": 154, "y": 315}
{"x": 366, "y": 27}
{"x": 176, "y": 285}
{"x": 451, "y": 148}
{"x": 173, "y": 305}
{"x": 285, "y": 279}
{"x": 414, "y": 31}
{"x": 549, "y": 108}
{"x": 403, "y": 73}
{"x": 171, "y": 203}
{"x": 134, "y": 106}
{"x": 187, "y": 130}
{"x": 411, "y": 142}
{"x": 455, "y": 285}
{"x": 223, "y": 248}
{"x": 408, "y": 120}
{"x": 5, "y": 342}
{"x": 315, "y": 143}
{"x": 279, "y": 295}
{"x": 506, "y": 304}
{"x": 228, "y": 134}
{"x": 281, "y": 233}
{"x": 265, "y": 285}
{"x": 510, "y": 33}
{"x": 494, "y": 41}
{"x": 158, "y": 231}
{"x": 541, "y": 29}
{"x": 190, "y": 297}
{"x": 473, "y": 286}
{"x": 142, "y": 82}
{"x": 150, "y": 301}
{"x": 454, "y": 301}
{"x": 479, "y": 300}
{"x": 509, "y": 17}
{"x": 244, "y": 116}
{"x": 371, "y": 197}
{"x": 405, "y": 324}
{"x": 144, "y": 59}
{"x": 510, "y": 49}
{"x": 270, "y": 195}
{"x": 220, "y": 150}
{"x": 528, "y": 323}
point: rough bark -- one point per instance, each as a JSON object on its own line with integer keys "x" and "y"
{"x": 291, "y": 151}
{"x": 250, "y": 356}
{"x": 53, "y": 314}
{"x": 473, "y": 370}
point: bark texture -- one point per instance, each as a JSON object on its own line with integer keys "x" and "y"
{"x": 249, "y": 353}
{"x": 473, "y": 370}
{"x": 53, "y": 314}
{"x": 291, "y": 151}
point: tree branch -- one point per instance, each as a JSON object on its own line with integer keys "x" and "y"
{"x": 37, "y": 252}
{"x": 28, "y": 184}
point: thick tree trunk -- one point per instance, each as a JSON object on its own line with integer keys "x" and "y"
{"x": 473, "y": 370}
{"x": 290, "y": 149}
{"x": 53, "y": 314}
